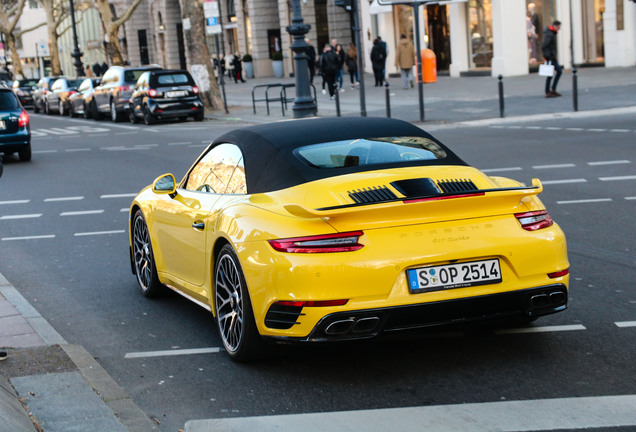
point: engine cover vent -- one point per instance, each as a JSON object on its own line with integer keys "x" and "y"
{"x": 371, "y": 195}
{"x": 454, "y": 186}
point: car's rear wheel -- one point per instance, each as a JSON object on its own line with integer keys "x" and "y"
{"x": 148, "y": 117}
{"x": 87, "y": 111}
{"x": 47, "y": 110}
{"x": 233, "y": 308}
{"x": 144, "y": 260}
{"x": 114, "y": 114}
{"x": 131, "y": 115}
{"x": 96, "y": 114}
{"x": 198, "y": 117}
{"x": 60, "y": 108}
{"x": 25, "y": 154}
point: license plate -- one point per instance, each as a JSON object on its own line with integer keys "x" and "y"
{"x": 3, "y": 126}
{"x": 450, "y": 276}
{"x": 176, "y": 93}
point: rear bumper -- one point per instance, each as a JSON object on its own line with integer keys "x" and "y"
{"x": 364, "y": 324}
{"x": 14, "y": 142}
{"x": 179, "y": 108}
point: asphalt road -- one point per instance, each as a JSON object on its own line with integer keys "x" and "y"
{"x": 63, "y": 245}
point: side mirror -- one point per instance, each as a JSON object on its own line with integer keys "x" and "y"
{"x": 165, "y": 184}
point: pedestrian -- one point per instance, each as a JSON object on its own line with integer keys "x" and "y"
{"x": 97, "y": 69}
{"x": 404, "y": 59}
{"x": 238, "y": 68}
{"x": 386, "y": 52}
{"x": 378, "y": 62}
{"x": 311, "y": 60}
{"x": 229, "y": 65}
{"x": 351, "y": 60}
{"x": 341, "y": 60}
{"x": 89, "y": 72}
{"x": 104, "y": 68}
{"x": 329, "y": 67}
{"x": 549, "y": 48}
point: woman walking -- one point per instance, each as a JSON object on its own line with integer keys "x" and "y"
{"x": 351, "y": 60}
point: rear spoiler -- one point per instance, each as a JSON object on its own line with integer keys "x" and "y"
{"x": 300, "y": 211}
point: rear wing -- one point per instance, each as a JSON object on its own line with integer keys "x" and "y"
{"x": 509, "y": 198}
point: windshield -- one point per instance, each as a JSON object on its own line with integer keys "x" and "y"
{"x": 131, "y": 76}
{"x": 371, "y": 151}
{"x": 8, "y": 100}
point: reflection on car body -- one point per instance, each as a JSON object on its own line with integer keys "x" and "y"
{"x": 345, "y": 228}
{"x": 15, "y": 128}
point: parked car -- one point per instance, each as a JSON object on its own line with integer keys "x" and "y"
{"x": 81, "y": 102}
{"x": 40, "y": 92}
{"x": 345, "y": 228}
{"x": 112, "y": 96}
{"x": 23, "y": 89}
{"x": 57, "y": 99}
{"x": 15, "y": 128}
{"x": 163, "y": 95}
{"x": 5, "y": 79}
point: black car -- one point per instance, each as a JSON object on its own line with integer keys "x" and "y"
{"x": 113, "y": 94}
{"x": 15, "y": 130}
{"x": 23, "y": 89}
{"x": 80, "y": 103}
{"x": 40, "y": 92}
{"x": 165, "y": 94}
{"x": 57, "y": 99}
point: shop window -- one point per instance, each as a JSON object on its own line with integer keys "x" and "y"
{"x": 539, "y": 14}
{"x": 480, "y": 22}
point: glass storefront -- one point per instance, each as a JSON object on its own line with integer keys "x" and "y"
{"x": 592, "y": 14}
{"x": 480, "y": 24}
{"x": 539, "y": 14}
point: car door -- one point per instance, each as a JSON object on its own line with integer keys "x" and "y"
{"x": 182, "y": 224}
{"x": 53, "y": 95}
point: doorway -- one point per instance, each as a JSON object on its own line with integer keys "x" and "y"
{"x": 593, "y": 40}
{"x": 439, "y": 35}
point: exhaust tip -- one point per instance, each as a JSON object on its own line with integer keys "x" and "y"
{"x": 339, "y": 327}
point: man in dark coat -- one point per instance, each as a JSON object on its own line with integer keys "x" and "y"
{"x": 329, "y": 64}
{"x": 549, "y": 48}
{"x": 378, "y": 62}
{"x": 311, "y": 60}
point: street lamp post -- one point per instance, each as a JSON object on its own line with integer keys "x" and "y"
{"x": 76, "y": 54}
{"x": 304, "y": 104}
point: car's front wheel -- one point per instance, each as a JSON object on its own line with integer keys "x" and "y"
{"x": 114, "y": 114}
{"x": 144, "y": 260}
{"x": 233, "y": 308}
{"x": 60, "y": 108}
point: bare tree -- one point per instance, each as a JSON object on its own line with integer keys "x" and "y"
{"x": 198, "y": 53}
{"x": 56, "y": 13}
{"x": 12, "y": 10}
{"x": 112, "y": 25}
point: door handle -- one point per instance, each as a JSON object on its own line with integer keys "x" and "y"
{"x": 199, "y": 226}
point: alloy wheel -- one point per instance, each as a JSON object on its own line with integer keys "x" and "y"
{"x": 229, "y": 302}
{"x": 142, "y": 252}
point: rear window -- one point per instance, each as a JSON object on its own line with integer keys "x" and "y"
{"x": 8, "y": 100}
{"x": 28, "y": 83}
{"x": 74, "y": 82}
{"x": 131, "y": 76}
{"x": 370, "y": 151}
{"x": 169, "y": 79}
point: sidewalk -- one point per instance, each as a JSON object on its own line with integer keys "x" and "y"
{"x": 449, "y": 100}
{"x": 66, "y": 389}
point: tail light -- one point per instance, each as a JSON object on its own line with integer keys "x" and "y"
{"x": 558, "y": 274}
{"x": 72, "y": 92}
{"x": 124, "y": 88}
{"x": 152, "y": 92}
{"x": 195, "y": 89}
{"x": 23, "y": 120}
{"x": 313, "y": 303}
{"x": 326, "y": 243}
{"x": 536, "y": 220}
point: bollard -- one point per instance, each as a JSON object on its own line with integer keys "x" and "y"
{"x": 501, "y": 97}
{"x": 575, "y": 89}
{"x": 388, "y": 99}
{"x": 337, "y": 94}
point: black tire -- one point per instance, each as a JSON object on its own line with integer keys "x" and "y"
{"x": 36, "y": 108}
{"x": 71, "y": 110}
{"x": 115, "y": 115}
{"x": 87, "y": 111}
{"x": 144, "y": 259}
{"x": 96, "y": 114}
{"x": 233, "y": 309}
{"x": 149, "y": 119}
{"x": 47, "y": 111}
{"x": 131, "y": 115}
{"x": 198, "y": 117}
{"x": 60, "y": 108}
{"x": 25, "y": 154}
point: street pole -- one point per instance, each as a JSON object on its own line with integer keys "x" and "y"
{"x": 356, "y": 29}
{"x": 304, "y": 104}
{"x": 418, "y": 54}
{"x": 76, "y": 54}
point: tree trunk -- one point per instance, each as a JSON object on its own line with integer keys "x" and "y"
{"x": 15, "y": 57}
{"x": 51, "y": 25}
{"x": 199, "y": 56}
{"x": 112, "y": 27}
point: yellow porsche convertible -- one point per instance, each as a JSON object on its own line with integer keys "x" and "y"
{"x": 345, "y": 228}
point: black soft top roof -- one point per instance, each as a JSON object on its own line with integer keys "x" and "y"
{"x": 268, "y": 150}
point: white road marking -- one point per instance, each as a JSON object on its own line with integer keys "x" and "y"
{"x": 630, "y": 198}
{"x": 534, "y": 127}
{"x": 597, "y": 130}
{"x": 15, "y": 202}
{"x": 75, "y": 198}
{"x": 551, "y": 182}
{"x": 541, "y": 329}
{"x": 44, "y": 151}
{"x": 98, "y": 233}
{"x": 620, "y": 130}
{"x": 523, "y": 415}
{"x": 585, "y": 201}
{"x": 624, "y": 324}
{"x": 121, "y": 148}
{"x": 568, "y": 165}
{"x": 614, "y": 162}
{"x": 172, "y": 353}
{"x": 179, "y": 143}
{"x": 553, "y": 128}
{"x": 502, "y": 169}
{"x": 619, "y": 178}
{"x": 81, "y": 213}
{"x": 29, "y": 237}
{"x": 119, "y": 195}
{"x": 575, "y": 129}
{"x": 24, "y": 216}
{"x": 78, "y": 150}
{"x": 124, "y": 210}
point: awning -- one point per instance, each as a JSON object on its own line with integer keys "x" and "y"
{"x": 375, "y": 8}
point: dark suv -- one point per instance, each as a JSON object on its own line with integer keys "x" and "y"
{"x": 113, "y": 94}
{"x": 23, "y": 89}
{"x": 165, "y": 94}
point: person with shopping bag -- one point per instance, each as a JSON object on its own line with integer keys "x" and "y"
{"x": 549, "y": 48}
